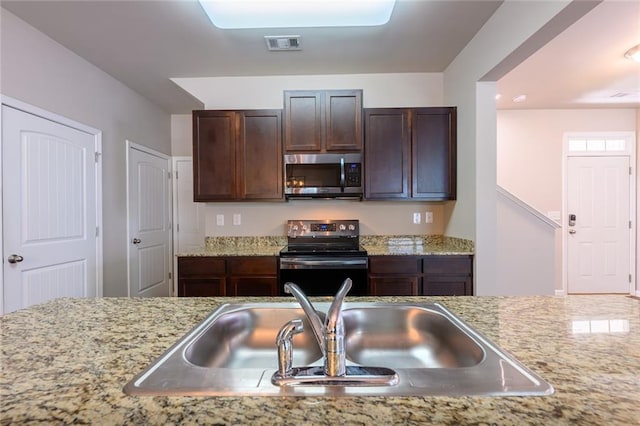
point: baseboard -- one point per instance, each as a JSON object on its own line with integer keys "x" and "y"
{"x": 560, "y": 293}
{"x": 638, "y": 293}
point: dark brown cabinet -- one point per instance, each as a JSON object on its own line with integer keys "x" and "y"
{"x": 323, "y": 121}
{"x": 237, "y": 155}
{"x": 227, "y": 276}
{"x": 421, "y": 275}
{"x": 410, "y": 153}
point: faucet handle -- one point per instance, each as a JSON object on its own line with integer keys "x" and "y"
{"x": 334, "y": 317}
{"x": 285, "y": 347}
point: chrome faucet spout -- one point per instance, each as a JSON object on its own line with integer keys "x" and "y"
{"x": 330, "y": 335}
{"x": 310, "y": 312}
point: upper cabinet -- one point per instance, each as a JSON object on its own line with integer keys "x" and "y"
{"x": 237, "y": 155}
{"x": 323, "y": 121}
{"x": 410, "y": 153}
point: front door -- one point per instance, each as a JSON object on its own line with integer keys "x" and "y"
{"x": 149, "y": 218}
{"x": 598, "y": 224}
{"x": 49, "y": 210}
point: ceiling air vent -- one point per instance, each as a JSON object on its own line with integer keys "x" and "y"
{"x": 291, "y": 42}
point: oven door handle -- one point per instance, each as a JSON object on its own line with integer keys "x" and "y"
{"x": 323, "y": 263}
{"x": 342, "y": 175}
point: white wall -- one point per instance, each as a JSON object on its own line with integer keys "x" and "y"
{"x": 526, "y": 259}
{"x": 530, "y": 148}
{"x": 41, "y": 72}
{"x": 379, "y": 90}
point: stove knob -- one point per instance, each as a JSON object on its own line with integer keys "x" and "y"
{"x": 342, "y": 227}
{"x": 352, "y": 228}
{"x": 305, "y": 228}
{"x": 295, "y": 227}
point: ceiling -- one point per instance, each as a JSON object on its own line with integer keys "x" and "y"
{"x": 145, "y": 43}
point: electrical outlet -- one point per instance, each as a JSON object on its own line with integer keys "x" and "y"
{"x": 428, "y": 217}
{"x": 236, "y": 219}
{"x": 220, "y": 220}
{"x": 416, "y": 218}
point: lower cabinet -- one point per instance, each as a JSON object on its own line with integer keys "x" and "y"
{"x": 434, "y": 275}
{"x": 227, "y": 276}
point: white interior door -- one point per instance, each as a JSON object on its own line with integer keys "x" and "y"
{"x": 598, "y": 241}
{"x": 189, "y": 215}
{"x": 49, "y": 210}
{"x": 149, "y": 218}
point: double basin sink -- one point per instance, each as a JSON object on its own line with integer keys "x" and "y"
{"x": 233, "y": 353}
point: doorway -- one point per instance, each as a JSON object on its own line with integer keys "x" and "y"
{"x": 148, "y": 222}
{"x": 599, "y": 237}
{"x": 51, "y": 216}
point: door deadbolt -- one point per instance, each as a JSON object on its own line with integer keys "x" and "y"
{"x": 136, "y": 241}
{"x": 15, "y": 258}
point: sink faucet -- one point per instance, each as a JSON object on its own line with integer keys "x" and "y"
{"x": 330, "y": 336}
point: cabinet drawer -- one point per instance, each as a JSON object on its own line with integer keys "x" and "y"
{"x": 447, "y": 265}
{"x": 200, "y": 266}
{"x": 253, "y": 266}
{"x": 396, "y": 265}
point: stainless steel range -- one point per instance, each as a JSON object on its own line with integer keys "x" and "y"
{"x": 321, "y": 254}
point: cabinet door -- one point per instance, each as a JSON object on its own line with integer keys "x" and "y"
{"x": 394, "y": 286}
{"x": 303, "y": 128}
{"x": 433, "y": 133}
{"x": 260, "y": 155}
{"x": 253, "y": 286}
{"x": 448, "y": 276}
{"x": 343, "y": 120}
{"x": 387, "y": 153}
{"x": 214, "y": 155}
{"x": 202, "y": 287}
{"x": 201, "y": 276}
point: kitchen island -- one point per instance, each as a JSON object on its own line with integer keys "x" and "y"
{"x": 66, "y": 361}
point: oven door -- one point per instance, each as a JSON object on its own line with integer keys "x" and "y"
{"x": 323, "y": 275}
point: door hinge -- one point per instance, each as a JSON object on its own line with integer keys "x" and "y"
{"x": 630, "y": 225}
{"x": 96, "y": 156}
{"x": 97, "y": 231}
{"x": 177, "y": 227}
{"x": 630, "y": 170}
{"x": 169, "y": 275}
{"x": 629, "y": 277}
{"x": 176, "y": 174}
{"x": 169, "y": 175}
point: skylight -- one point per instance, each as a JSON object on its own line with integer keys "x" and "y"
{"x": 235, "y": 14}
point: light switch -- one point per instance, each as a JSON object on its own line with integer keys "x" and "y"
{"x": 236, "y": 219}
{"x": 220, "y": 220}
{"x": 416, "y": 218}
{"x": 428, "y": 217}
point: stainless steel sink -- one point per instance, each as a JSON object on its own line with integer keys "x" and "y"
{"x": 433, "y": 352}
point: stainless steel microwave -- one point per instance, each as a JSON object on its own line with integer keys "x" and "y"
{"x": 323, "y": 175}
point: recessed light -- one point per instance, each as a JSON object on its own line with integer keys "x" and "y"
{"x": 236, "y": 14}
{"x": 520, "y": 98}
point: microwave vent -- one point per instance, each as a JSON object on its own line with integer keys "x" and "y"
{"x": 279, "y": 43}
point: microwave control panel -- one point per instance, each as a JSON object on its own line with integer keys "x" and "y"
{"x": 352, "y": 174}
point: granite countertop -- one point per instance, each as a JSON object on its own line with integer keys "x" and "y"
{"x": 66, "y": 361}
{"x": 375, "y": 245}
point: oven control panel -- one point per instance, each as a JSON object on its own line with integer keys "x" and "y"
{"x": 323, "y": 228}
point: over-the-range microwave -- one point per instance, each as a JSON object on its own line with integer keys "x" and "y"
{"x": 323, "y": 175}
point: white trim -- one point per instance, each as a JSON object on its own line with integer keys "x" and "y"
{"x": 560, "y": 293}
{"x": 97, "y": 134}
{"x": 528, "y": 208}
{"x": 174, "y": 166}
{"x": 129, "y": 145}
{"x": 630, "y": 152}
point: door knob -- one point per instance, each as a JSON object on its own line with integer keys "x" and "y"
{"x": 136, "y": 241}
{"x": 572, "y": 231}
{"x": 15, "y": 258}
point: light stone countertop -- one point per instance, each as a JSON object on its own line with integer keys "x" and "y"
{"x": 66, "y": 361}
{"x": 384, "y": 245}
